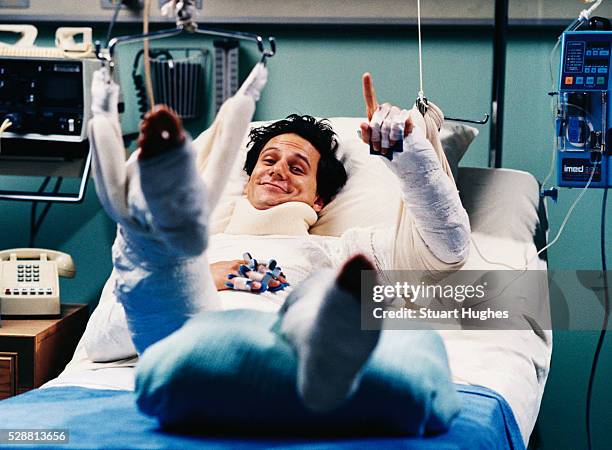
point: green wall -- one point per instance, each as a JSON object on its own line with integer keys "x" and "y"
{"x": 317, "y": 71}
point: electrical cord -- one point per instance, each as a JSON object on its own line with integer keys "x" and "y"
{"x": 523, "y": 270}
{"x": 554, "y": 240}
{"x": 553, "y": 110}
{"x": 604, "y": 325}
{"x": 41, "y": 189}
{"x": 36, "y": 223}
{"x": 5, "y": 125}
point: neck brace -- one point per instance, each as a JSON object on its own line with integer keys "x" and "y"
{"x": 291, "y": 218}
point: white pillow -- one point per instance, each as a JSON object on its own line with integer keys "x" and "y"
{"x": 371, "y": 195}
{"x": 456, "y": 138}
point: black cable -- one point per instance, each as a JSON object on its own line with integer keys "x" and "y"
{"x": 35, "y": 223}
{"x": 41, "y": 189}
{"x": 56, "y": 188}
{"x": 32, "y": 225}
{"x": 604, "y": 325}
{"x": 113, "y": 20}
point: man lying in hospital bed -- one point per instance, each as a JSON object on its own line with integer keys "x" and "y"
{"x": 160, "y": 204}
{"x": 153, "y": 234}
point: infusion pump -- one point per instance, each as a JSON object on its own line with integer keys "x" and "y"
{"x": 46, "y": 98}
{"x": 584, "y": 121}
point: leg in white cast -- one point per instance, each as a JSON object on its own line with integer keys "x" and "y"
{"x": 159, "y": 202}
{"x": 174, "y": 192}
{"x": 163, "y": 273}
{"x": 161, "y": 282}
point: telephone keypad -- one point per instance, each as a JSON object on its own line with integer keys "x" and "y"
{"x": 28, "y": 274}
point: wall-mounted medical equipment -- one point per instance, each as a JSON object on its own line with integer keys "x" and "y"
{"x": 44, "y": 108}
{"x": 45, "y": 99}
{"x": 584, "y": 128}
{"x": 29, "y": 284}
{"x": 226, "y": 70}
{"x": 185, "y": 14}
{"x": 177, "y": 77}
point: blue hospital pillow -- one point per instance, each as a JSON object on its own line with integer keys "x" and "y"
{"x": 227, "y": 372}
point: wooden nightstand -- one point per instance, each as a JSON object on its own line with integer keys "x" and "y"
{"x": 33, "y": 351}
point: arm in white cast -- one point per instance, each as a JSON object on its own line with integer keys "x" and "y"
{"x": 431, "y": 199}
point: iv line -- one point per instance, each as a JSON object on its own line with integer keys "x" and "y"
{"x": 551, "y": 243}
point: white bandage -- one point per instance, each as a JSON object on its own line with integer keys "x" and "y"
{"x": 104, "y": 94}
{"x": 108, "y": 152}
{"x": 241, "y": 283}
{"x": 388, "y": 124}
{"x": 377, "y": 120}
{"x": 398, "y": 123}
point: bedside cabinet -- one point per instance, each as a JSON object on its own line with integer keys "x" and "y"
{"x": 33, "y": 351}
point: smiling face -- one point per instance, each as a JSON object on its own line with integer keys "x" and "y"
{"x": 286, "y": 171}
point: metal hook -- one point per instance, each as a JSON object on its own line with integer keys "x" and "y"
{"x": 484, "y": 120}
{"x": 422, "y": 104}
{"x": 265, "y": 54}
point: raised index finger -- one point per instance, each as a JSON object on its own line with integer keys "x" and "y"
{"x": 369, "y": 95}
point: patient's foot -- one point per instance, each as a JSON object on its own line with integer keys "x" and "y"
{"x": 324, "y": 326}
{"x": 174, "y": 191}
{"x": 161, "y": 130}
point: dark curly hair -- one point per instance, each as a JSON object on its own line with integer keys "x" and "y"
{"x": 331, "y": 175}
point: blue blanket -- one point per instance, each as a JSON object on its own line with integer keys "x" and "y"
{"x": 110, "y": 419}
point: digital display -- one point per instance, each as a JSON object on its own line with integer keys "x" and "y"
{"x": 58, "y": 90}
{"x": 574, "y": 57}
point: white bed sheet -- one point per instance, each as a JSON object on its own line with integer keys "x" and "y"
{"x": 513, "y": 363}
{"x": 503, "y": 209}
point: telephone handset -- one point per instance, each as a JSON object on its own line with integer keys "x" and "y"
{"x": 29, "y": 281}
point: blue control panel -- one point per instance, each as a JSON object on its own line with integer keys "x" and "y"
{"x": 586, "y": 61}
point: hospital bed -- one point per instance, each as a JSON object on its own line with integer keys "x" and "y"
{"x": 499, "y": 375}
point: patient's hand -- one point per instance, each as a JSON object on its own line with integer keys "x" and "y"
{"x": 386, "y": 124}
{"x": 161, "y": 130}
{"x": 221, "y": 269}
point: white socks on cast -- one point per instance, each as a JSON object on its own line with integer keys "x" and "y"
{"x": 321, "y": 319}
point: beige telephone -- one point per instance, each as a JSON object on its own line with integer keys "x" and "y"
{"x": 29, "y": 281}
